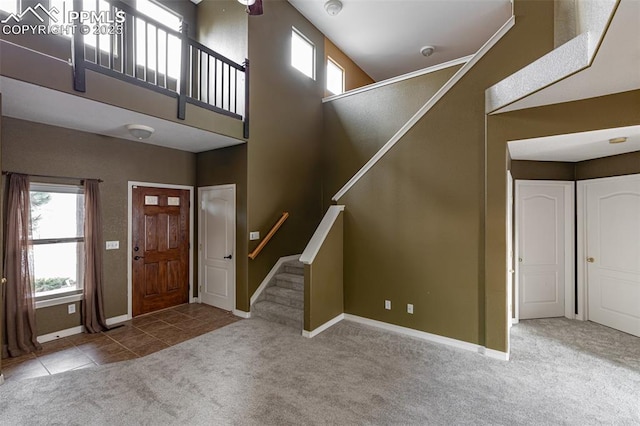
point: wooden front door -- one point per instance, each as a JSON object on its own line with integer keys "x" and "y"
{"x": 160, "y": 243}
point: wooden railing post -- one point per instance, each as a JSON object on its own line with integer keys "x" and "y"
{"x": 77, "y": 52}
{"x": 184, "y": 70}
{"x": 246, "y": 99}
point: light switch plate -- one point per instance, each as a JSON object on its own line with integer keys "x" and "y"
{"x": 255, "y": 235}
{"x": 113, "y": 245}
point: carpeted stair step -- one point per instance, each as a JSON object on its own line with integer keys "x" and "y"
{"x": 294, "y": 267}
{"x": 292, "y": 281}
{"x": 281, "y": 314}
{"x": 285, "y": 296}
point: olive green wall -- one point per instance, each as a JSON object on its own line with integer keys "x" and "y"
{"x": 354, "y": 76}
{"x": 323, "y": 280}
{"x": 1, "y": 241}
{"x": 616, "y": 165}
{"x": 356, "y": 126}
{"x": 222, "y": 26}
{"x": 223, "y": 166}
{"x": 542, "y": 170}
{"x": 414, "y": 223}
{"x": 284, "y": 145}
{"x": 34, "y": 148}
{"x": 617, "y": 110}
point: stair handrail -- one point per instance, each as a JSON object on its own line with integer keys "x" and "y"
{"x": 268, "y": 237}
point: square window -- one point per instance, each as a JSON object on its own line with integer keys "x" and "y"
{"x": 9, "y": 6}
{"x": 302, "y": 54}
{"x": 335, "y": 77}
{"x": 57, "y": 224}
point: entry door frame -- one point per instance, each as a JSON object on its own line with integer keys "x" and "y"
{"x": 231, "y": 186}
{"x": 130, "y": 185}
{"x": 569, "y": 235}
{"x": 581, "y": 228}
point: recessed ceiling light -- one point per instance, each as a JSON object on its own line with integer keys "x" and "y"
{"x": 618, "y": 140}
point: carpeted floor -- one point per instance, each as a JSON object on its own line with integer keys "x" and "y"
{"x": 258, "y": 373}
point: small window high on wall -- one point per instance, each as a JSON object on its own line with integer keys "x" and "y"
{"x": 57, "y": 224}
{"x": 335, "y": 77}
{"x": 303, "y": 54}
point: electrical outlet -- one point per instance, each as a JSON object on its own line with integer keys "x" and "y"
{"x": 71, "y": 308}
{"x": 255, "y": 235}
{"x": 409, "y": 308}
{"x": 387, "y": 304}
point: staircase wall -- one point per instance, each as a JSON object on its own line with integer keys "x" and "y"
{"x": 414, "y": 224}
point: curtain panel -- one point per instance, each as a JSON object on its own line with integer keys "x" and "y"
{"x": 19, "y": 301}
{"x": 92, "y": 304}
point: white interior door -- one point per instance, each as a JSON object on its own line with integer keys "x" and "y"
{"x": 613, "y": 252}
{"x": 510, "y": 267}
{"x": 544, "y": 234}
{"x": 217, "y": 246}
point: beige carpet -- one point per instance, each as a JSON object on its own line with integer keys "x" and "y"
{"x": 258, "y": 373}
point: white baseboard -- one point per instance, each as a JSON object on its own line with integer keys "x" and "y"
{"x": 60, "y": 334}
{"x": 241, "y": 314}
{"x": 323, "y": 327}
{"x": 434, "y": 338}
{"x": 270, "y": 275}
{"x": 118, "y": 320}
{"x": 77, "y": 330}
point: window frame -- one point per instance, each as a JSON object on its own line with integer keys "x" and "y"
{"x": 296, "y": 32}
{"x": 332, "y": 61}
{"x": 53, "y": 297}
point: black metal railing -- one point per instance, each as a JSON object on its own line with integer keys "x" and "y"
{"x": 142, "y": 51}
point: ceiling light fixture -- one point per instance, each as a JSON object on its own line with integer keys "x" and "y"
{"x": 427, "y": 50}
{"x": 247, "y": 2}
{"x": 618, "y": 140}
{"x": 140, "y": 131}
{"x": 333, "y": 7}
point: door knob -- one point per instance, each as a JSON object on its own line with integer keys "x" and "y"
{"x": 229, "y": 257}
{"x": 590, "y": 259}
{"x": 138, "y": 257}
{"x": 136, "y": 248}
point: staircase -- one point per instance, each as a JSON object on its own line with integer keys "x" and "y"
{"x": 282, "y": 301}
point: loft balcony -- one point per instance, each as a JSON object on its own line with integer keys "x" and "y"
{"x": 90, "y": 69}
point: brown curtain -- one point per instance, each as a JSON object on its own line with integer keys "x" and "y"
{"x": 19, "y": 302}
{"x": 256, "y": 8}
{"x": 92, "y": 303}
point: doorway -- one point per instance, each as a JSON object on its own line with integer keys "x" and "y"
{"x": 159, "y": 247}
{"x": 544, "y": 242}
{"x": 217, "y": 246}
{"x": 609, "y": 244}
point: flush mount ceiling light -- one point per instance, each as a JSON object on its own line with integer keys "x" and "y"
{"x": 618, "y": 140}
{"x": 140, "y": 131}
{"x": 427, "y": 51}
{"x": 333, "y": 7}
{"x": 247, "y": 2}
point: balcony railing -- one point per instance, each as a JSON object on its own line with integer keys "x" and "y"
{"x": 142, "y": 51}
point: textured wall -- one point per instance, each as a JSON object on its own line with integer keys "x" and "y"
{"x": 34, "y": 148}
{"x": 284, "y": 146}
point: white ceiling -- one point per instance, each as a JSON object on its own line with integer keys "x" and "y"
{"x": 34, "y": 103}
{"x": 384, "y": 37}
{"x": 576, "y": 146}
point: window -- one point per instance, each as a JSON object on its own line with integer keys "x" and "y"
{"x": 335, "y": 77}
{"x": 302, "y": 54}
{"x": 9, "y": 6}
{"x": 160, "y": 44}
{"x": 57, "y": 222}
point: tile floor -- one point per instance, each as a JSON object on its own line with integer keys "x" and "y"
{"x": 136, "y": 338}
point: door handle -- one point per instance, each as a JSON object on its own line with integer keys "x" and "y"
{"x": 136, "y": 248}
{"x": 229, "y": 257}
{"x": 138, "y": 257}
{"x": 590, "y": 259}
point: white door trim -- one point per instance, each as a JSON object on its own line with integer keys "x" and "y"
{"x": 581, "y": 228}
{"x": 130, "y": 185}
{"x": 569, "y": 220}
{"x": 231, "y": 186}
